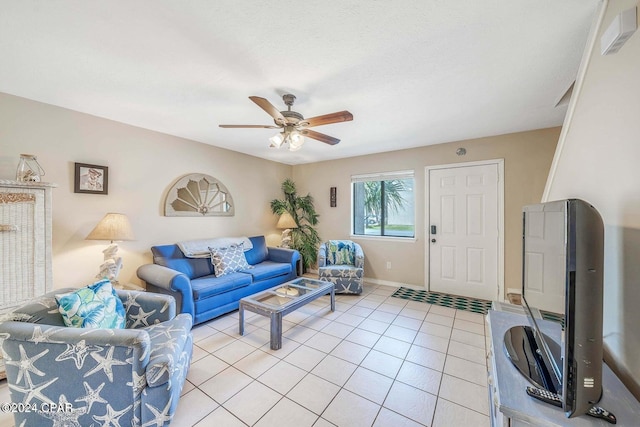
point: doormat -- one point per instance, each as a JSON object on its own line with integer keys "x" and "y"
{"x": 554, "y": 317}
{"x": 445, "y": 300}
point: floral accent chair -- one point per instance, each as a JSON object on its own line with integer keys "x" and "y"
{"x": 81, "y": 377}
{"x": 342, "y": 263}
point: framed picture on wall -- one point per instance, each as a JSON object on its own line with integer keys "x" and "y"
{"x": 91, "y": 179}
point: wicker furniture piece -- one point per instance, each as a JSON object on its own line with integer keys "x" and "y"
{"x": 282, "y": 300}
{"x": 25, "y": 243}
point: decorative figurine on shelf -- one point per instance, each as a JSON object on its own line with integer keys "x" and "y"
{"x": 112, "y": 264}
{"x": 29, "y": 170}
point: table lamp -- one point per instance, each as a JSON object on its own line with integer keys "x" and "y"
{"x": 113, "y": 227}
{"x": 286, "y": 222}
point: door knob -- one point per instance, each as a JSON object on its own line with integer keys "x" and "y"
{"x": 433, "y": 240}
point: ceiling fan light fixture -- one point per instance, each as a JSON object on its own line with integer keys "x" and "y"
{"x": 277, "y": 140}
{"x": 293, "y": 126}
{"x": 295, "y": 140}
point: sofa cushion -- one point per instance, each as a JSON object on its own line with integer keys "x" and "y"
{"x": 268, "y": 269}
{"x": 228, "y": 260}
{"x": 208, "y": 286}
{"x": 191, "y": 267}
{"x": 94, "y": 306}
{"x": 259, "y": 252}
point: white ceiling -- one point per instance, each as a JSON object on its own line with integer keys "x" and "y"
{"x": 412, "y": 73}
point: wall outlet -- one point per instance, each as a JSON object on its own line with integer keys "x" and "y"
{"x": 388, "y": 265}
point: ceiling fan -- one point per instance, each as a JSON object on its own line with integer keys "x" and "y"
{"x": 293, "y": 125}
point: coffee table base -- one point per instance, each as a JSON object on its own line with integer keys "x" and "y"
{"x": 277, "y": 315}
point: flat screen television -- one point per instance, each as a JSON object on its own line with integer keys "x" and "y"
{"x": 562, "y": 280}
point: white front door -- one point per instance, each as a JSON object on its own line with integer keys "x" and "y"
{"x": 464, "y": 230}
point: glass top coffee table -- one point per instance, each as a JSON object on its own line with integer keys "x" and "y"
{"x": 282, "y": 300}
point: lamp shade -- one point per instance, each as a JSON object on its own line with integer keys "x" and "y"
{"x": 114, "y": 226}
{"x": 286, "y": 221}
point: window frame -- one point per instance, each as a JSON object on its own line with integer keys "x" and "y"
{"x": 383, "y": 176}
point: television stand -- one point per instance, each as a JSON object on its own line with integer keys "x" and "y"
{"x": 522, "y": 350}
{"x": 508, "y": 400}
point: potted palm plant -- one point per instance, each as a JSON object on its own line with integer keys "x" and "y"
{"x": 305, "y": 238}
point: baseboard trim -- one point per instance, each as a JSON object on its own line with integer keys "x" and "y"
{"x": 383, "y": 282}
{"x": 392, "y": 284}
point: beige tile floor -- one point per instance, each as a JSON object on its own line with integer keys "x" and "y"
{"x": 375, "y": 361}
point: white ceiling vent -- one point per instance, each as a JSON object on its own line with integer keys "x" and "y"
{"x": 622, "y": 27}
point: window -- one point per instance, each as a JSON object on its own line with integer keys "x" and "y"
{"x": 383, "y": 204}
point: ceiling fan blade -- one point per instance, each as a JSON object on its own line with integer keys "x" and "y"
{"x": 269, "y": 108}
{"x": 320, "y": 136}
{"x": 340, "y": 116}
{"x": 250, "y": 126}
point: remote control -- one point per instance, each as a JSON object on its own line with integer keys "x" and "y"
{"x": 599, "y": 412}
{"x": 545, "y": 395}
{"x": 553, "y": 399}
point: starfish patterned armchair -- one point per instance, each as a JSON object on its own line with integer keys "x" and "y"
{"x": 68, "y": 376}
{"x": 342, "y": 263}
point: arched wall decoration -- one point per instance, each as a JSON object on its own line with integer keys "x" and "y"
{"x": 198, "y": 194}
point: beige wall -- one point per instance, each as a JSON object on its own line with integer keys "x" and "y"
{"x": 527, "y": 157}
{"x": 142, "y": 166}
{"x": 597, "y": 160}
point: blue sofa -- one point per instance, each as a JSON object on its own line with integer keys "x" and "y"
{"x": 192, "y": 282}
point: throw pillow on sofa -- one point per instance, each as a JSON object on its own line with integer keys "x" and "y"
{"x": 94, "y": 306}
{"x": 229, "y": 260}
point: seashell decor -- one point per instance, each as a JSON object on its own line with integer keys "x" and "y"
{"x": 198, "y": 194}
